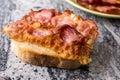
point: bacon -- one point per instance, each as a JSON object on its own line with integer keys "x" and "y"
{"x": 104, "y": 6}
{"x": 110, "y": 1}
{"x": 88, "y": 28}
{"x": 101, "y": 1}
{"x": 70, "y": 27}
{"x": 41, "y": 33}
{"x": 61, "y": 20}
{"x": 45, "y": 15}
{"x": 92, "y": 1}
{"x": 66, "y": 18}
{"x": 69, "y": 34}
{"x": 108, "y": 9}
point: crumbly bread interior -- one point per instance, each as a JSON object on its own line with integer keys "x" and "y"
{"x": 25, "y": 47}
{"x": 41, "y": 56}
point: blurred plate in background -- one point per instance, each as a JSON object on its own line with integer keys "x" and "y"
{"x": 74, "y": 3}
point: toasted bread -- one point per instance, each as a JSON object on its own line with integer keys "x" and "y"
{"x": 50, "y": 38}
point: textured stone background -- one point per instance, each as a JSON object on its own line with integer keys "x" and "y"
{"x": 106, "y": 52}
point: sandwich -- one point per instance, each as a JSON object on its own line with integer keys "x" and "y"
{"x": 50, "y": 38}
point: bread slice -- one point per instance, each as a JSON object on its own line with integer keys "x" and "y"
{"x": 36, "y": 55}
{"x": 50, "y": 38}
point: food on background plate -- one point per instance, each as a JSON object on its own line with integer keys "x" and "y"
{"x": 103, "y": 6}
{"x": 50, "y": 38}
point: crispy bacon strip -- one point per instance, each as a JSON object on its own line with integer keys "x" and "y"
{"x": 102, "y": 1}
{"x": 44, "y": 16}
{"x": 69, "y": 34}
{"x": 104, "y": 6}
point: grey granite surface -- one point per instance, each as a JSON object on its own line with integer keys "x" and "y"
{"x": 106, "y": 53}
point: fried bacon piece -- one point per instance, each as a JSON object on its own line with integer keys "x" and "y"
{"x": 104, "y": 6}
{"x": 102, "y": 1}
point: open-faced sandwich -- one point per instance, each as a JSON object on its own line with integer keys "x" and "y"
{"x": 50, "y": 38}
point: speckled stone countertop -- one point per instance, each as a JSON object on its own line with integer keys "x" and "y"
{"x": 106, "y": 53}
